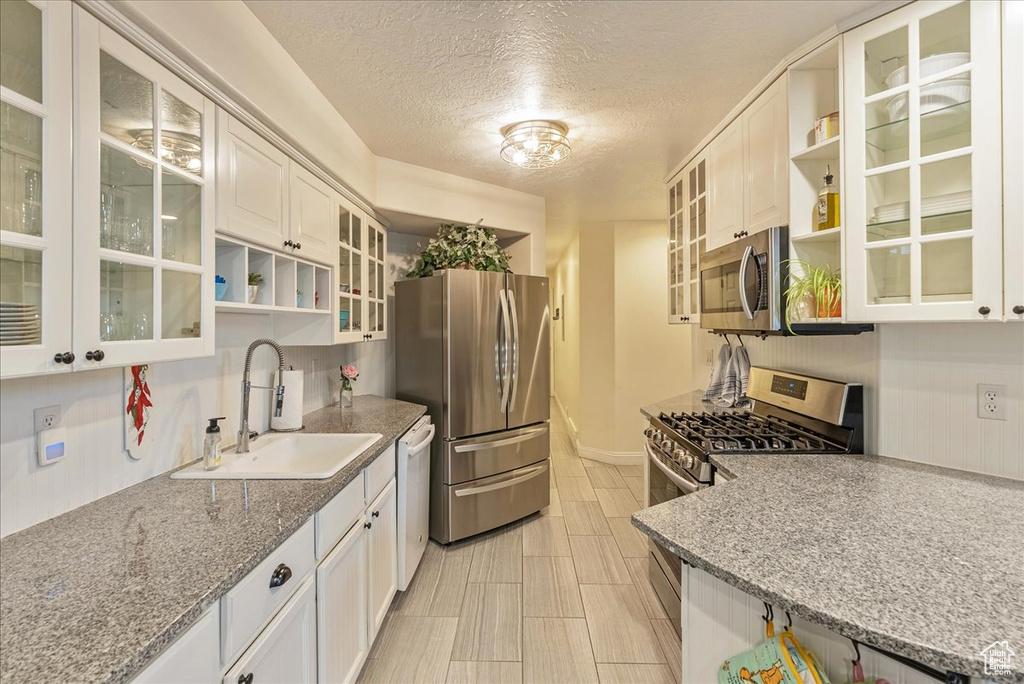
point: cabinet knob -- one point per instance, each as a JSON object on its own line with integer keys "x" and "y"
{"x": 245, "y": 678}
{"x": 282, "y": 573}
{"x": 984, "y": 310}
{"x": 288, "y": 243}
{"x": 66, "y": 357}
{"x": 367, "y": 524}
{"x": 1019, "y": 309}
{"x": 375, "y": 514}
{"x": 298, "y": 245}
{"x": 94, "y": 355}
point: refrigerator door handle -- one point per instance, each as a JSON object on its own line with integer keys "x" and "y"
{"x": 515, "y": 348}
{"x": 505, "y": 329}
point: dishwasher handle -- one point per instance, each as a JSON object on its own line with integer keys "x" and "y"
{"x": 415, "y": 449}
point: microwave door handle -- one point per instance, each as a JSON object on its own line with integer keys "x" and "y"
{"x": 673, "y": 477}
{"x": 503, "y": 305}
{"x": 747, "y": 254}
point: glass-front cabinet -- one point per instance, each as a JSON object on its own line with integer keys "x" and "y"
{"x": 360, "y": 276}
{"x": 35, "y": 187}
{"x": 687, "y": 231}
{"x": 924, "y": 219}
{"x": 144, "y": 257}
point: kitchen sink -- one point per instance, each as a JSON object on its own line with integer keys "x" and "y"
{"x": 285, "y": 457}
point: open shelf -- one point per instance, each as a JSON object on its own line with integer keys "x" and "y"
{"x": 946, "y": 122}
{"x": 283, "y": 277}
{"x": 830, "y": 235}
{"x": 826, "y": 150}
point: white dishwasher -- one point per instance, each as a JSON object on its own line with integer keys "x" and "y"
{"x": 413, "y": 498}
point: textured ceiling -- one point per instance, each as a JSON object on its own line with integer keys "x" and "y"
{"x": 638, "y": 83}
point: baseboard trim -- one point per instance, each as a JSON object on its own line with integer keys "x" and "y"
{"x": 609, "y": 457}
{"x": 573, "y": 432}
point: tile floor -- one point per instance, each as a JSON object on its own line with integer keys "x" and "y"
{"x": 559, "y": 597}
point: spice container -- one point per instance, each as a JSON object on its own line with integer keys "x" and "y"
{"x": 826, "y": 127}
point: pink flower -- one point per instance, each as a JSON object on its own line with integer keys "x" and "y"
{"x": 350, "y": 372}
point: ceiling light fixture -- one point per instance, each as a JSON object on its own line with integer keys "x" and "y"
{"x": 181, "y": 149}
{"x": 535, "y": 144}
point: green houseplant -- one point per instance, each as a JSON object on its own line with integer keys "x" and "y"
{"x": 819, "y": 289}
{"x": 466, "y": 247}
{"x": 255, "y": 280}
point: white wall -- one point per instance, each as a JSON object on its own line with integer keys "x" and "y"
{"x": 921, "y": 381}
{"x": 565, "y": 334}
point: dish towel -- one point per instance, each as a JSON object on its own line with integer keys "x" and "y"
{"x": 737, "y": 377}
{"x": 717, "y": 384}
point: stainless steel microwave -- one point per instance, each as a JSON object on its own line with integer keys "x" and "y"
{"x": 741, "y": 283}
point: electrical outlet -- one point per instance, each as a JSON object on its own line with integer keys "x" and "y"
{"x": 46, "y": 417}
{"x": 709, "y": 357}
{"x": 992, "y": 402}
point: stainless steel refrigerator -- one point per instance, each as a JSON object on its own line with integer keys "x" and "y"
{"x": 474, "y": 348}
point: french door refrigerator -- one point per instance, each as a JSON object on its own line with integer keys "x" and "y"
{"x": 473, "y": 347}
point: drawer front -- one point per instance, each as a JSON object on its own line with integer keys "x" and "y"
{"x": 492, "y": 501}
{"x": 335, "y": 519}
{"x": 476, "y": 457}
{"x": 380, "y": 472}
{"x": 193, "y": 658}
{"x": 251, "y": 603}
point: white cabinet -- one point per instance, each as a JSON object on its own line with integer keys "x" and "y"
{"x": 36, "y": 173}
{"x": 342, "y": 614}
{"x": 688, "y": 212}
{"x": 766, "y": 159}
{"x": 748, "y": 170}
{"x": 312, "y": 203}
{"x": 193, "y": 658}
{"x": 361, "y": 274}
{"x": 252, "y": 176}
{"x": 285, "y": 652}
{"x": 924, "y": 223}
{"x": 382, "y": 551}
{"x": 1013, "y": 160}
{"x": 725, "y": 176}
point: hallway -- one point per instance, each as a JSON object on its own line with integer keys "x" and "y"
{"x": 559, "y": 597}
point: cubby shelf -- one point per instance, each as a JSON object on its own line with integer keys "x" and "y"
{"x": 830, "y": 235}
{"x": 283, "y": 277}
{"x": 825, "y": 150}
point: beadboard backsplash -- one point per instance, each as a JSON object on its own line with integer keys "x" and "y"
{"x": 921, "y": 383}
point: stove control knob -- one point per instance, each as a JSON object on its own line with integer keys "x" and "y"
{"x": 667, "y": 445}
{"x": 687, "y": 461}
{"x": 650, "y": 432}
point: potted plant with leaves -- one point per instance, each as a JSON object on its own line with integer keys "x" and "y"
{"x": 255, "y": 280}
{"x": 466, "y": 247}
{"x": 813, "y": 292}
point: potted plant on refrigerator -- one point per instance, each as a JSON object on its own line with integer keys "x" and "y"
{"x": 466, "y": 247}
{"x": 813, "y": 293}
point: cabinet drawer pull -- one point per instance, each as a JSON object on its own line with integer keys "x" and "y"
{"x": 282, "y": 573}
{"x": 245, "y": 678}
{"x": 66, "y": 357}
{"x": 984, "y": 310}
{"x": 375, "y": 514}
{"x": 367, "y": 524}
{"x": 1019, "y": 309}
{"x": 94, "y": 355}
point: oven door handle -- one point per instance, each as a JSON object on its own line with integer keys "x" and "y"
{"x": 747, "y": 254}
{"x": 676, "y": 479}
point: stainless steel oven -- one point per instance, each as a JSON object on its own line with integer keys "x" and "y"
{"x": 741, "y": 283}
{"x": 671, "y": 472}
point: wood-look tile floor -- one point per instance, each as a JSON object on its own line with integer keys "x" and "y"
{"x": 561, "y": 597}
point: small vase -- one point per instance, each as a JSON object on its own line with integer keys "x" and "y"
{"x": 346, "y": 398}
{"x": 253, "y": 289}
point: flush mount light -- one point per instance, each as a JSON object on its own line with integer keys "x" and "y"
{"x": 181, "y": 149}
{"x": 535, "y": 144}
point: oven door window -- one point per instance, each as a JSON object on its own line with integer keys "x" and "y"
{"x": 662, "y": 488}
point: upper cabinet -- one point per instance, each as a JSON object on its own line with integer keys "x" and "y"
{"x": 923, "y": 153}
{"x": 143, "y": 245}
{"x": 35, "y": 172}
{"x": 312, "y": 215}
{"x": 748, "y": 170}
{"x": 687, "y": 198}
{"x": 361, "y": 277}
{"x": 1013, "y": 160}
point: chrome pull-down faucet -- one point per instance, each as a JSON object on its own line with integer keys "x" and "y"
{"x": 244, "y": 434}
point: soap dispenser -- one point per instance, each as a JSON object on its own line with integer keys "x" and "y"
{"x": 211, "y": 445}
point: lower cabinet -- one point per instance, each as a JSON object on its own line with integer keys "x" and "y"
{"x": 285, "y": 652}
{"x": 382, "y": 521}
{"x": 193, "y": 658}
{"x": 341, "y": 609}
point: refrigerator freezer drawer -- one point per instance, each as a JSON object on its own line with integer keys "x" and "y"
{"x": 490, "y": 502}
{"x": 476, "y": 457}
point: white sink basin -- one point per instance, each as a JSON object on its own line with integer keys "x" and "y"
{"x": 285, "y": 457}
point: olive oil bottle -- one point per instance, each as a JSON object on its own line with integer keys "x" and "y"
{"x": 826, "y": 210}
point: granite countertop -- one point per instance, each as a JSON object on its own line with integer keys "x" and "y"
{"x": 95, "y": 594}
{"x": 685, "y": 403}
{"x": 922, "y": 561}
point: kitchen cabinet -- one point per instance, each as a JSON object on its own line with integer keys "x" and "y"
{"x": 312, "y": 205}
{"x": 361, "y": 274}
{"x": 36, "y": 174}
{"x": 342, "y": 614}
{"x": 688, "y": 212}
{"x": 748, "y": 170}
{"x": 382, "y": 552}
{"x": 286, "y": 650}
{"x": 924, "y": 228}
{"x": 1013, "y": 160}
{"x": 193, "y": 658}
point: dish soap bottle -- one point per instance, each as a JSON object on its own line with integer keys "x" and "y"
{"x": 211, "y": 445}
{"x": 826, "y": 211}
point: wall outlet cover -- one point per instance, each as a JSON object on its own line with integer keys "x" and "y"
{"x": 992, "y": 402}
{"x": 47, "y": 417}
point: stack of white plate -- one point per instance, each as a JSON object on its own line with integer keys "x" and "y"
{"x": 930, "y": 206}
{"x": 934, "y": 96}
{"x": 19, "y": 324}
